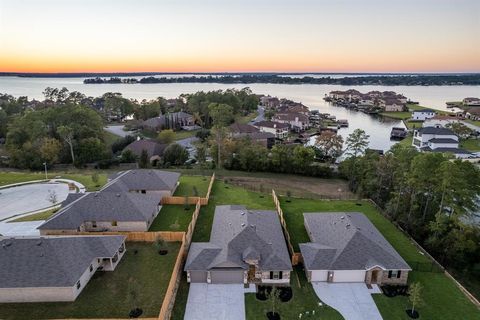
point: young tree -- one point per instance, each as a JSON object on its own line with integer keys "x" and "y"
{"x": 415, "y": 296}
{"x": 95, "y": 178}
{"x": 143, "y": 161}
{"x": 166, "y": 136}
{"x": 273, "y": 297}
{"x": 357, "y": 143}
{"x": 52, "y": 197}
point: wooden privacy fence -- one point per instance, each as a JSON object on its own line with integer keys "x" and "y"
{"x": 296, "y": 256}
{"x": 169, "y": 236}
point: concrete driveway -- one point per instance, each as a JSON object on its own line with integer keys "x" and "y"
{"x": 215, "y": 302}
{"x": 16, "y": 229}
{"x": 353, "y": 300}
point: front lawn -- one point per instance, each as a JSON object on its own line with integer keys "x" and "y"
{"x": 142, "y": 277}
{"x": 173, "y": 217}
{"x": 36, "y": 216}
{"x": 304, "y": 299}
{"x": 187, "y": 184}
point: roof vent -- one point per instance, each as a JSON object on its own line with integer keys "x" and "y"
{"x": 95, "y": 194}
{"x": 118, "y": 195}
{"x": 39, "y": 243}
{"x": 342, "y": 217}
{"x": 243, "y": 224}
{"x": 347, "y": 226}
{"x": 242, "y": 213}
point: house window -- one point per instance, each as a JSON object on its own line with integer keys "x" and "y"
{"x": 114, "y": 223}
{"x": 276, "y": 275}
{"x": 144, "y": 191}
{"x": 394, "y": 274}
{"x": 78, "y": 284}
{"x": 94, "y": 224}
{"x": 91, "y": 268}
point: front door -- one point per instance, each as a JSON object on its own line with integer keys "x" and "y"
{"x": 251, "y": 273}
{"x": 374, "y": 278}
{"x": 330, "y": 276}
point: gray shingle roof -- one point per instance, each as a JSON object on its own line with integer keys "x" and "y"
{"x": 143, "y": 179}
{"x": 237, "y": 234}
{"x": 434, "y": 130}
{"x": 51, "y": 261}
{"x": 153, "y": 148}
{"x": 443, "y": 140}
{"x": 271, "y": 124}
{"x": 103, "y": 206}
{"x": 347, "y": 241}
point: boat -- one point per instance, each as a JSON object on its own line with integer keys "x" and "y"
{"x": 398, "y": 133}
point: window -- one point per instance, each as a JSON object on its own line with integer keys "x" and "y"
{"x": 144, "y": 191}
{"x": 94, "y": 224}
{"x": 394, "y": 274}
{"x": 78, "y": 284}
{"x": 276, "y": 275}
{"x": 114, "y": 223}
{"x": 91, "y": 268}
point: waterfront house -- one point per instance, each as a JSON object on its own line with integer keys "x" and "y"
{"x": 174, "y": 120}
{"x": 52, "y": 269}
{"x": 440, "y": 121}
{"x": 423, "y": 114}
{"x": 473, "y": 114}
{"x": 280, "y": 130}
{"x": 297, "y": 121}
{"x": 471, "y": 102}
{"x": 391, "y": 104}
{"x": 238, "y": 130}
{"x": 438, "y": 139}
{"x": 246, "y": 246}
{"x": 346, "y": 247}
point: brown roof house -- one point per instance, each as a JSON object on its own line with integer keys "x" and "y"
{"x": 246, "y": 246}
{"x": 238, "y": 130}
{"x": 280, "y": 130}
{"x": 154, "y": 149}
{"x": 50, "y": 269}
{"x": 297, "y": 121}
{"x": 346, "y": 247}
{"x": 174, "y": 120}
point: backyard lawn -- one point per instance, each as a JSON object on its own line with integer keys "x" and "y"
{"x": 173, "y": 218}
{"x": 140, "y": 280}
{"x": 187, "y": 184}
{"x": 470, "y": 144}
{"x": 304, "y": 299}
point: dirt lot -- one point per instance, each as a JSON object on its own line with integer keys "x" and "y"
{"x": 305, "y": 187}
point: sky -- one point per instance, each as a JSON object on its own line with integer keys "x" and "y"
{"x": 240, "y": 36}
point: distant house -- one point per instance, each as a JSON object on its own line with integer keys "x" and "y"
{"x": 440, "y": 121}
{"x": 471, "y": 102}
{"x": 146, "y": 181}
{"x": 173, "y": 120}
{"x": 473, "y": 113}
{"x": 154, "y": 149}
{"x": 280, "y": 130}
{"x": 391, "y": 104}
{"x": 424, "y": 114}
{"x": 238, "y": 130}
{"x": 293, "y": 107}
{"x": 104, "y": 211}
{"x": 438, "y": 139}
{"x": 246, "y": 246}
{"x": 270, "y": 102}
{"x": 346, "y": 247}
{"x": 51, "y": 269}
{"x": 297, "y": 121}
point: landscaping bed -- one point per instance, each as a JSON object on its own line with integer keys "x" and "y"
{"x": 139, "y": 281}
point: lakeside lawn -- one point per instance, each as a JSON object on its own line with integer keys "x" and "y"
{"x": 173, "y": 217}
{"x": 108, "y": 294}
{"x": 85, "y": 177}
{"x": 443, "y": 300}
{"x": 401, "y": 115}
{"x": 407, "y": 142}
{"x": 185, "y": 188}
{"x": 304, "y": 299}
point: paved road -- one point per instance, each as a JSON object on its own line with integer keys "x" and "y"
{"x": 118, "y": 130}
{"x": 353, "y": 300}
{"x": 31, "y": 197}
{"x": 215, "y": 302}
{"x": 261, "y": 115}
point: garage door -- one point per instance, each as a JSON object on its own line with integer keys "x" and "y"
{"x": 319, "y": 275}
{"x": 198, "y": 276}
{"x": 349, "y": 276}
{"x": 227, "y": 276}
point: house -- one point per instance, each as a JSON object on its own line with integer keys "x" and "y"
{"x": 440, "y": 121}
{"x": 169, "y": 121}
{"x": 346, "y": 247}
{"x": 473, "y": 114}
{"x": 280, "y": 130}
{"x": 471, "y": 102}
{"x": 246, "y": 246}
{"x": 391, "y": 104}
{"x": 103, "y": 211}
{"x": 424, "y": 114}
{"x": 270, "y": 102}
{"x": 293, "y": 107}
{"x": 146, "y": 181}
{"x": 154, "y": 149}
{"x": 297, "y": 121}
{"x": 438, "y": 139}
{"x": 237, "y": 129}
{"x": 51, "y": 269}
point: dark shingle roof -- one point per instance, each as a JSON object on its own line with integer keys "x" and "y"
{"x": 346, "y": 241}
{"x": 435, "y": 130}
{"x": 425, "y": 111}
{"x": 238, "y": 233}
{"x": 103, "y": 206}
{"x": 443, "y": 140}
{"x": 271, "y": 124}
{"x": 143, "y": 179}
{"x": 153, "y": 148}
{"x": 242, "y": 128}
{"x": 51, "y": 261}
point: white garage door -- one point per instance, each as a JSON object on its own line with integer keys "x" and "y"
{"x": 198, "y": 276}
{"x": 319, "y": 275}
{"x": 349, "y": 276}
{"x": 227, "y": 276}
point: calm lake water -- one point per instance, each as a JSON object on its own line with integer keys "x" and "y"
{"x": 310, "y": 95}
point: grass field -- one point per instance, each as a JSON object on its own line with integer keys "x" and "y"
{"x": 109, "y": 294}
{"x": 474, "y": 122}
{"x": 173, "y": 218}
{"x": 470, "y": 144}
{"x": 187, "y": 183}
{"x": 246, "y": 119}
{"x": 397, "y": 115}
{"x": 37, "y": 216}
{"x": 84, "y": 177}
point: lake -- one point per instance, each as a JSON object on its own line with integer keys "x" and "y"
{"x": 309, "y": 94}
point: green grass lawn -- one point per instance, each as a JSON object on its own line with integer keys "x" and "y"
{"x": 109, "y": 138}
{"x": 397, "y": 115}
{"x": 470, "y": 144}
{"x": 181, "y": 298}
{"x": 187, "y": 183}
{"x": 246, "y": 119}
{"x": 173, "y": 218}
{"x": 443, "y": 300}
{"x": 474, "y": 122}
{"x": 37, "y": 216}
{"x": 304, "y": 299}
{"x": 84, "y": 177}
{"x": 407, "y": 142}
{"x": 108, "y": 294}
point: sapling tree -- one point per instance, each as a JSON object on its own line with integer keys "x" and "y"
{"x": 415, "y": 296}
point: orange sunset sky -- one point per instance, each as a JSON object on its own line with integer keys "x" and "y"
{"x": 221, "y": 36}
